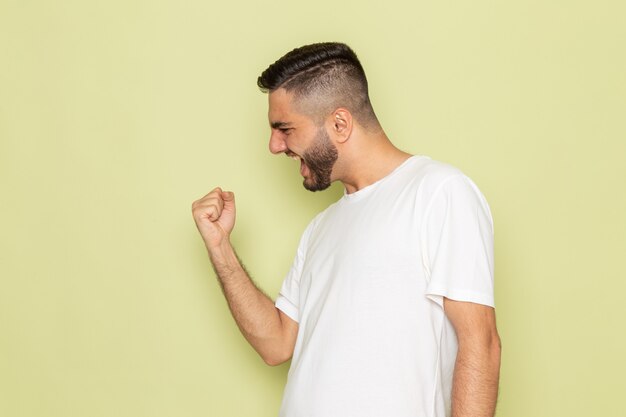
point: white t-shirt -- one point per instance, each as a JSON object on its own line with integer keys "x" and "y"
{"x": 367, "y": 287}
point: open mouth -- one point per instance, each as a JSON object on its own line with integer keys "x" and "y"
{"x": 293, "y": 156}
{"x": 303, "y": 168}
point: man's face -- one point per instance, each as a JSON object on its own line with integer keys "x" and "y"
{"x": 297, "y": 136}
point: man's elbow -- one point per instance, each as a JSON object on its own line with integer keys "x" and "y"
{"x": 275, "y": 360}
{"x": 496, "y": 345}
{"x": 495, "y": 351}
{"x": 277, "y": 354}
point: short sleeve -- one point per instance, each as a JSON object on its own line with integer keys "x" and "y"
{"x": 288, "y": 299}
{"x": 457, "y": 243}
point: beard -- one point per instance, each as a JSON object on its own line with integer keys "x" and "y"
{"x": 320, "y": 158}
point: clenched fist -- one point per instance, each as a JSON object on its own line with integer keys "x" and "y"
{"x": 215, "y": 216}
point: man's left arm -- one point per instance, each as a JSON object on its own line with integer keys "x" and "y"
{"x": 477, "y": 367}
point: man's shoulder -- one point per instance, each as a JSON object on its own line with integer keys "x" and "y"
{"x": 428, "y": 174}
{"x": 432, "y": 179}
{"x": 438, "y": 167}
{"x": 443, "y": 182}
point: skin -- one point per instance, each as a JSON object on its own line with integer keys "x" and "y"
{"x": 363, "y": 157}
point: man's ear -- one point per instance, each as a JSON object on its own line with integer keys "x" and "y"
{"x": 342, "y": 124}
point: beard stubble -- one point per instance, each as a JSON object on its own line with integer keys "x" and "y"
{"x": 320, "y": 158}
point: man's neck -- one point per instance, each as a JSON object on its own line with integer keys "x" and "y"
{"x": 375, "y": 158}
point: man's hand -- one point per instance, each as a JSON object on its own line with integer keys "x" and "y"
{"x": 215, "y": 216}
{"x": 270, "y": 331}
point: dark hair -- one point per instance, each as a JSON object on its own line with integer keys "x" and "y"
{"x": 328, "y": 74}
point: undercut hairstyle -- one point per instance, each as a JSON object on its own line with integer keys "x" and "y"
{"x": 322, "y": 77}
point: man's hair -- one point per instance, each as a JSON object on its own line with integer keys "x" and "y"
{"x": 322, "y": 77}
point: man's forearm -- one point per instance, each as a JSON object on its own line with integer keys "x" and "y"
{"x": 255, "y": 313}
{"x": 475, "y": 383}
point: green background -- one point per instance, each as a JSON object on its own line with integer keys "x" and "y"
{"x": 116, "y": 115}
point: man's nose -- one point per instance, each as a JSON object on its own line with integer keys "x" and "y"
{"x": 277, "y": 144}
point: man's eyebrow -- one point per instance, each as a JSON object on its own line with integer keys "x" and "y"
{"x": 279, "y": 125}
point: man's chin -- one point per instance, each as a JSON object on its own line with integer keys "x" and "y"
{"x": 312, "y": 185}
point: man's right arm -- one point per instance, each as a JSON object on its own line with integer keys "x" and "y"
{"x": 270, "y": 331}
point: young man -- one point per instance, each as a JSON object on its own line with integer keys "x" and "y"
{"x": 388, "y": 308}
